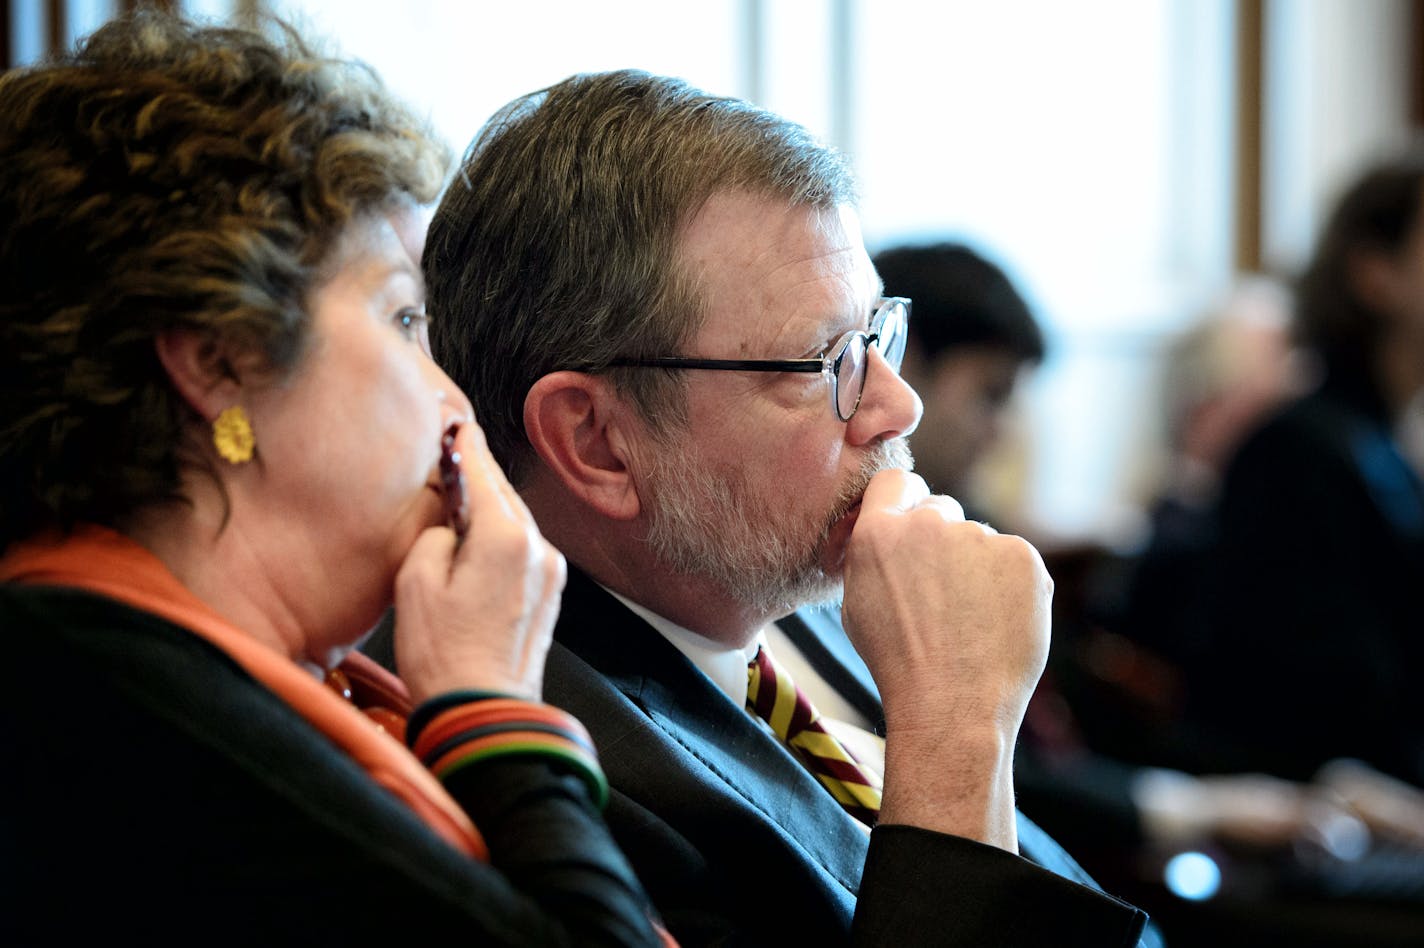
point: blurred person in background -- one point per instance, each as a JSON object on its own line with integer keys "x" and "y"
{"x": 1316, "y": 616}
{"x": 976, "y": 339}
{"x": 1220, "y": 377}
{"x": 224, "y": 451}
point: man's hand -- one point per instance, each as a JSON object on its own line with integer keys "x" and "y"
{"x": 953, "y": 620}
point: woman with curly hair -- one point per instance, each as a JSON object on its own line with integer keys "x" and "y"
{"x": 224, "y": 453}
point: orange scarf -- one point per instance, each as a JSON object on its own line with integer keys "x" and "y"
{"x": 102, "y": 561}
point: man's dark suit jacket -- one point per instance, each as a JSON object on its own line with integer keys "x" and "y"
{"x": 737, "y": 843}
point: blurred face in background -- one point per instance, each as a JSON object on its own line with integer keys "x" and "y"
{"x": 1391, "y": 281}
{"x": 966, "y": 392}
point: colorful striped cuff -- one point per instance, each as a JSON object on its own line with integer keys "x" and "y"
{"x": 461, "y": 729}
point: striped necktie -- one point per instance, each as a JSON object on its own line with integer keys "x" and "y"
{"x": 774, "y": 697}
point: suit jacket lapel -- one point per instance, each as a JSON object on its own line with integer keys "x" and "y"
{"x": 739, "y": 758}
{"x": 738, "y": 754}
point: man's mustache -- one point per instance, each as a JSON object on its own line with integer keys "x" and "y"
{"x": 888, "y": 455}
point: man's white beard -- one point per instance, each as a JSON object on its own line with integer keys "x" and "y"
{"x": 751, "y": 543}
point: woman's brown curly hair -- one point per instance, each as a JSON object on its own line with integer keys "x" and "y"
{"x": 167, "y": 176}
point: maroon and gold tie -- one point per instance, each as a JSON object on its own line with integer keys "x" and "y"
{"x": 774, "y": 697}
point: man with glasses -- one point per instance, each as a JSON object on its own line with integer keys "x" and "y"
{"x": 662, "y": 308}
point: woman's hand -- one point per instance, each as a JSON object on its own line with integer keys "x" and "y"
{"x": 478, "y": 613}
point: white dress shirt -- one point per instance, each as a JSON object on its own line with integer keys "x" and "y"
{"x": 727, "y": 669}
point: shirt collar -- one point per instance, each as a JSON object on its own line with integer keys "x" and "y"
{"x": 726, "y": 667}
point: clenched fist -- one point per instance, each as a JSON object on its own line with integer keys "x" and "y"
{"x": 953, "y": 620}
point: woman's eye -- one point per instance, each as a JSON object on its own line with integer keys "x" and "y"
{"x": 410, "y": 321}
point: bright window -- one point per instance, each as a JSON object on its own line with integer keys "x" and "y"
{"x": 1085, "y": 145}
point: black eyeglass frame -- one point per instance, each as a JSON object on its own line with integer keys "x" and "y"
{"x": 828, "y": 364}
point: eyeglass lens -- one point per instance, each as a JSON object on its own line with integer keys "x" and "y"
{"x": 889, "y": 327}
{"x": 850, "y": 375}
{"x": 892, "y": 333}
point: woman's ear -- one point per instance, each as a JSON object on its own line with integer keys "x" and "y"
{"x": 579, "y": 428}
{"x": 198, "y": 371}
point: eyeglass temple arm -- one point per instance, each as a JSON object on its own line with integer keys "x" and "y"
{"x": 740, "y": 365}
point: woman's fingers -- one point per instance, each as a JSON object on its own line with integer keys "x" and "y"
{"x": 479, "y": 613}
{"x": 490, "y": 494}
{"x": 489, "y": 491}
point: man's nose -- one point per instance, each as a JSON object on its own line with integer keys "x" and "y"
{"x": 889, "y": 407}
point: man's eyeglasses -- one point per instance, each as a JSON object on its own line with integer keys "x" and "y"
{"x": 844, "y": 364}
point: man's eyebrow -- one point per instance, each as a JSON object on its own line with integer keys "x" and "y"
{"x": 875, "y": 299}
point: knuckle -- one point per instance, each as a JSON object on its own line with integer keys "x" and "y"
{"x": 477, "y": 435}
{"x": 556, "y": 567}
{"x": 512, "y": 543}
{"x": 1015, "y": 552}
{"x": 410, "y": 576}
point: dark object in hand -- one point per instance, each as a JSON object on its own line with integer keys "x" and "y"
{"x": 452, "y": 482}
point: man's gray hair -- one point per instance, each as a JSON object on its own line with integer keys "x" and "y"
{"x": 557, "y": 244}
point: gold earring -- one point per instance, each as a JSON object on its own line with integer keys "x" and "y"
{"x": 232, "y": 435}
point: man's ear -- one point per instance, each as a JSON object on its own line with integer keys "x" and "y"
{"x": 580, "y": 428}
{"x": 198, "y": 371}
